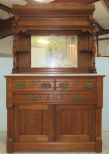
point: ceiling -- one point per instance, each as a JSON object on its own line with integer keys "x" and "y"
{"x": 101, "y": 14}
{"x": 9, "y": 3}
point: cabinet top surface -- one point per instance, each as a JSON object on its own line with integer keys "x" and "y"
{"x": 53, "y": 75}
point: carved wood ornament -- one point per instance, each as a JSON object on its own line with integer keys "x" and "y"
{"x": 53, "y": 19}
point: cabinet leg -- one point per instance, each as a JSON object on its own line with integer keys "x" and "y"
{"x": 98, "y": 145}
{"x": 10, "y": 146}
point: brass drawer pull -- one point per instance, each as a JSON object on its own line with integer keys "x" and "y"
{"x": 76, "y": 97}
{"x": 88, "y": 85}
{"x": 63, "y": 85}
{"x": 32, "y": 97}
{"x": 20, "y": 85}
{"x": 46, "y": 85}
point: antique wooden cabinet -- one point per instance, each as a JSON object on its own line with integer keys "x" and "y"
{"x": 54, "y": 96}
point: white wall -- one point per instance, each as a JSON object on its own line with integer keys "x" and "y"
{"x": 103, "y": 45}
{"x": 6, "y": 68}
{"x": 102, "y": 65}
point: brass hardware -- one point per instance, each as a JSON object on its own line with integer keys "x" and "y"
{"x": 76, "y": 97}
{"x": 63, "y": 85}
{"x": 32, "y": 97}
{"x": 20, "y": 85}
{"x": 46, "y": 85}
{"x": 88, "y": 85}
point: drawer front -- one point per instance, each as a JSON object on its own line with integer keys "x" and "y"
{"x": 56, "y": 98}
{"x": 33, "y": 84}
{"x": 76, "y": 84}
{"x": 56, "y": 84}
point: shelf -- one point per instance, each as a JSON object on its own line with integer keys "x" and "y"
{"x": 19, "y": 51}
{"x": 86, "y": 51}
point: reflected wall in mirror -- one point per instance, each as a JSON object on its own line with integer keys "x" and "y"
{"x": 54, "y": 51}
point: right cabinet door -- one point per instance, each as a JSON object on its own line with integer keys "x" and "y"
{"x": 75, "y": 123}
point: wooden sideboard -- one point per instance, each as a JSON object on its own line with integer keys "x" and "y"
{"x": 54, "y": 112}
{"x": 54, "y": 107}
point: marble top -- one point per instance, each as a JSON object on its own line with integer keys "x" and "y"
{"x": 54, "y": 75}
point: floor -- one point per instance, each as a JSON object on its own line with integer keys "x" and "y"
{"x": 105, "y": 146}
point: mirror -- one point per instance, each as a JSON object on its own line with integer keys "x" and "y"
{"x": 54, "y": 51}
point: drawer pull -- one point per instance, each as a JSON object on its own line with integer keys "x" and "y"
{"x": 63, "y": 85}
{"x": 46, "y": 85}
{"x": 32, "y": 97}
{"x": 20, "y": 85}
{"x": 76, "y": 97}
{"x": 88, "y": 85}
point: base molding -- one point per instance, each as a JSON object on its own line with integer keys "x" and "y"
{"x": 9, "y": 144}
{"x": 81, "y": 146}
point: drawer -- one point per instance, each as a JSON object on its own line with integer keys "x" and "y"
{"x": 84, "y": 97}
{"x": 33, "y": 84}
{"x": 76, "y": 84}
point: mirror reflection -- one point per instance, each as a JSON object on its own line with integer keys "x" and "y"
{"x": 54, "y": 51}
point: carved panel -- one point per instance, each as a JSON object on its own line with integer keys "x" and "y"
{"x": 71, "y": 84}
{"x": 75, "y": 123}
{"x": 79, "y": 97}
{"x": 33, "y": 84}
{"x": 32, "y": 123}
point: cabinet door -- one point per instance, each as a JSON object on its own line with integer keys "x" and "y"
{"x": 33, "y": 123}
{"x": 75, "y": 123}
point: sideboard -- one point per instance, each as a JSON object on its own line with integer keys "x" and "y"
{"x": 54, "y": 96}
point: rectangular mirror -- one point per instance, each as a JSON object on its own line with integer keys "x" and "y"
{"x": 54, "y": 51}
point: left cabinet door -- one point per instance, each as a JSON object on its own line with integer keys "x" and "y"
{"x": 33, "y": 123}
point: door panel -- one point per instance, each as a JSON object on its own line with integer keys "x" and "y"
{"x": 60, "y": 123}
{"x": 34, "y": 123}
{"x": 75, "y": 123}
